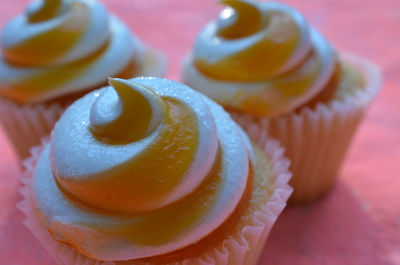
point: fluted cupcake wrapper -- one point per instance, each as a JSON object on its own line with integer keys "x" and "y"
{"x": 25, "y": 125}
{"x": 316, "y": 140}
{"x": 233, "y": 250}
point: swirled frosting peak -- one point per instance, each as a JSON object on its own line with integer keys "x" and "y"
{"x": 160, "y": 138}
{"x": 238, "y": 24}
{"x": 254, "y": 42}
{"x": 141, "y": 168}
{"x": 137, "y": 113}
{"x": 260, "y": 57}
{"x": 58, "y": 47}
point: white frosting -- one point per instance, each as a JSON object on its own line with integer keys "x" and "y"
{"x": 96, "y": 35}
{"x": 109, "y": 108}
{"x": 232, "y": 94}
{"x": 75, "y": 153}
{"x": 211, "y": 48}
{"x": 304, "y": 45}
{"x": 122, "y": 49}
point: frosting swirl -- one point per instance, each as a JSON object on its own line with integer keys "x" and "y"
{"x": 58, "y": 47}
{"x": 173, "y": 168}
{"x": 261, "y": 58}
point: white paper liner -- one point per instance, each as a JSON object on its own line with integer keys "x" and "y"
{"x": 231, "y": 251}
{"x": 316, "y": 140}
{"x": 25, "y": 125}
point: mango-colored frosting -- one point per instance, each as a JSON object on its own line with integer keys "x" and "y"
{"x": 257, "y": 194}
{"x": 141, "y": 168}
{"x": 60, "y": 47}
{"x": 260, "y": 58}
{"x": 34, "y": 50}
{"x": 275, "y": 36}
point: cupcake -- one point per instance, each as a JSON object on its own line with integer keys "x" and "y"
{"x": 55, "y": 52}
{"x": 148, "y": 171}
{"x": 270, "y": 69}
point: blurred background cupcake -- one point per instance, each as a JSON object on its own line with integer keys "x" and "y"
{"x": 56, "y": 51}
{"x": 148, "y": 171}
{"x": 270, "y": 69}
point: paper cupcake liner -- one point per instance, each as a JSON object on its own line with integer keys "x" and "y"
{"x": 25, "y": 125}
{"x": 316, "y": 140}
{"x": 231, "y": 251}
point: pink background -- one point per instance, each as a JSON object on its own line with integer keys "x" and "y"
{"x": 359, "y": 221}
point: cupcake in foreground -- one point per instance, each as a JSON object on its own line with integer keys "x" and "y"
{"x": 148, "y": 171}
{"x": 270, "y": 69}
{"x": 55, "y": 52}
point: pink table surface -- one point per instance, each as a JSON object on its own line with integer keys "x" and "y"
{"x": 359, "y": 221}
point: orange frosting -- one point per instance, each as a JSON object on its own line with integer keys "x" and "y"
{"x": 136, "y": 115}
{"x": 45, "y": 47}
{"x": 38, "y": 84}
{"x": 263, "y": 59}
{"x": 45, "y": 11}
{"x": 52, "y": 54}
{"x": 164, "y": 225}
{"x": 291, "y": 84}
